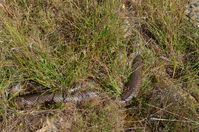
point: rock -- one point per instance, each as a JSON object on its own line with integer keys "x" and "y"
{"x": 192, "y": 12}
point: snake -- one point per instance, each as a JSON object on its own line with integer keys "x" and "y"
{"x": 131, "y": 90}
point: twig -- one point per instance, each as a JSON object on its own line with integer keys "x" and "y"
{"x": 173, "y": 120}
{"x": 189, "y": 120}
{"x": 161, "y": 109}
{"x": 134, "y": 128}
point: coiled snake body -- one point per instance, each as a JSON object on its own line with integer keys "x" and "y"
{"x": 132, "y": 89}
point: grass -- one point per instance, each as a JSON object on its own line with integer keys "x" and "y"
{"x": 59, "y": 42}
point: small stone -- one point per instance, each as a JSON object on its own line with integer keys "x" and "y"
{"x": 192, "y": 12}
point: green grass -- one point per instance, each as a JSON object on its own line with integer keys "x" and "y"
{"x": 59, "y": 42}
{"x": 65, "y": 43}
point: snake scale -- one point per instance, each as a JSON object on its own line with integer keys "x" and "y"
{"x": 132, "y": 88}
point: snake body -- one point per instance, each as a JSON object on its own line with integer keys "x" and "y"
{"x": 132, "y": 89}
{"x": 134, "y": 83}
{"x": 37, "y": 99}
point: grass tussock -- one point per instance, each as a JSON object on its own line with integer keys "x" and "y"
{"x": 169, "y": 97}
{"x": 59, "y": 42}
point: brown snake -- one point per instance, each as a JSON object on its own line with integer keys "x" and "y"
{"x": 132, "y": 89}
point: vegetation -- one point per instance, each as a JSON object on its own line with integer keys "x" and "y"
{"x": 59, "y": 42}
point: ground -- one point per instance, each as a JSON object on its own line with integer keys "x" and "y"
{"x": 57, "y": 43}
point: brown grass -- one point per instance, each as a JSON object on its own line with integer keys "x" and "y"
{"x": 57, "y": 43}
